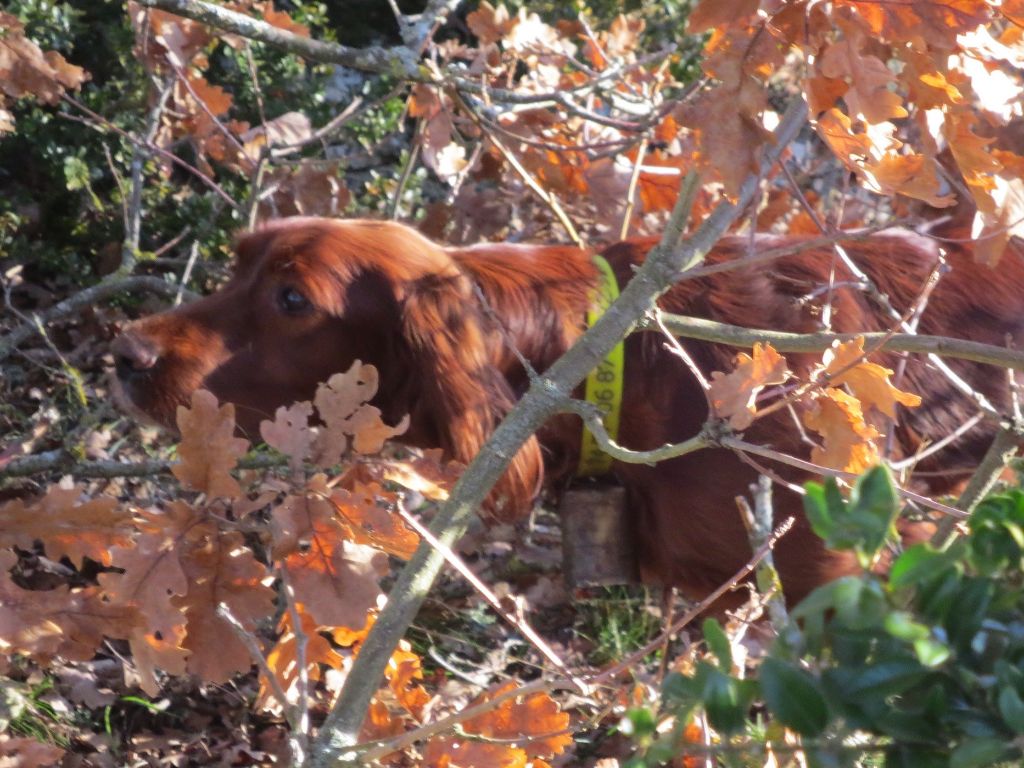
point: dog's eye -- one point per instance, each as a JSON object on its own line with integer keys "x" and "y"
{"x": 292, "y": 302}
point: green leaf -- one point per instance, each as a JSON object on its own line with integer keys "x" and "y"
{"x": 930, "y": 652}
{"x": 862, "y": 524}
{"x": 979, "y": 752}
{"x": 1012, "y": 709}
{"x": 639, "y": 723}
{"x": 794, "y": 697}
{"x": 724, "y": 702}
{"x": 900, "y": 624}
{"x": 719, "y": 644}
{"x": 920, "y": 563}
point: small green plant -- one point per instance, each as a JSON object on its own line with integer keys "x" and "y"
{"x": 923, "y": 667}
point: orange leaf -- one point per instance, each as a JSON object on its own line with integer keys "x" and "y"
{"x": 847, "y": 439}
{"x": 403, "y": 672}
{"x": 869, "y": 382}
{"x": 283, "y": 659}
{"x": 209, "y": 448}
{"x": 536, "y": 718}
{"x": 733, "y": 395}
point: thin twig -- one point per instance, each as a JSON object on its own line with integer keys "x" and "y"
{"x": 301, "y": 727}
{"x": 256, "y": 654}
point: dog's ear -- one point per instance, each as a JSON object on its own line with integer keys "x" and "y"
{"x": 464, "y": 394}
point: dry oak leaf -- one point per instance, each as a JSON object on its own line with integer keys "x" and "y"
{"x": 280, "y": 19}
{"x": 868, "y": 78}
{"x": 289, "y": 432}
{"x": 342, "y": 405}
{"x": 153, "y": 575}
{"x": 489, "y": 24}
{"x": 404, "y": 671}
{"x": 208, "y": 448}
{"x": 337, "y": 580}
{"x": 869, "y": 382}
{"x": 334, "y": 578}
{"x": 914, "y": 176}
{"x": 367, "y": 522}
{"x": 221, "y": 569}
{"x": 66, "y": 527}
{"x": 58, "y": 622}
{"x": 714, "y": 13}
{"x": 937, "y": 23}
{"x": 23, "y": 752}
{"x": 427, "y": 474}
{"x": 452, "y": 752}
{"x": 733, "y": 394}
{"x": 283, "y": 659}
{"x": 848, "y": 440}
{"x": 536, "y": 718}
{"x": 25, "y": 70}
{"x": 379, "y": 725}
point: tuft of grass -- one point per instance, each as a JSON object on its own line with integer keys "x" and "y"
{"x": 617, "y": 621}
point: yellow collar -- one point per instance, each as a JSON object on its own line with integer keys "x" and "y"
{"x": 604, "y": 383}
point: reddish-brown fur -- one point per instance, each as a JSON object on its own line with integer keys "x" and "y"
{"x": 383, "y": 294}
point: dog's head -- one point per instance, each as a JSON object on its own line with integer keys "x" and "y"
{"x": 309, "y": 297}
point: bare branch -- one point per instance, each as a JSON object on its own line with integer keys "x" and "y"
{"x": 85, "y": 299}
{"x": 398, "y": 62}
{"x": 783, "y": 341}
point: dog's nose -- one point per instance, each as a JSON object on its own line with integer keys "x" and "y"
{"x": 133, "y": 355}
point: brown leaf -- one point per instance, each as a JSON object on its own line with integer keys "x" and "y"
{"x": 336, "y": 579}
{"x": 280, "y": 19}
{"x": 733, "y": 395}
{"x": 342, "y": 405}
{"x": 713, "y": 13}
{"x": 868, "y": 78}
{"x": 367, "y": 522}
{"x": 66, "y": 527}
{"x": 58, "y": 622}
{"x": 289, "y": 432}
{"x": 24, "y": 752}
{"x": 488, "y": 23}
{"x": 221, "y": 569}
{"x": 25, "y": 70}
{"x": 208, "y": 449}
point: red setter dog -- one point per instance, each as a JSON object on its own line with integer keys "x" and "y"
{"x": 309, "y": 296}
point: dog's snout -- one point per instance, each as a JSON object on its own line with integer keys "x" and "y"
{"x": 133, "y": 355}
